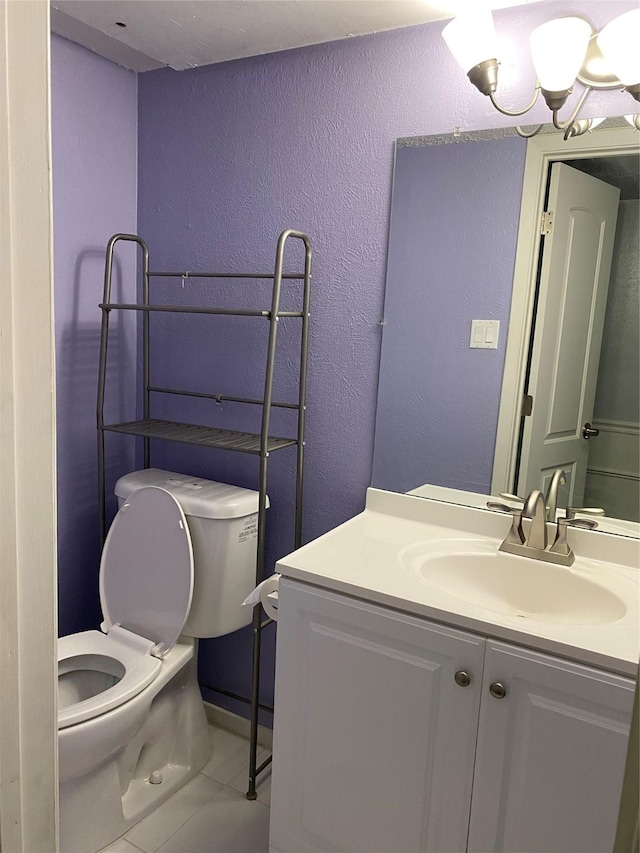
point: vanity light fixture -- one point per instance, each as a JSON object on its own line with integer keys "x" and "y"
{"x": 563, "y": 50}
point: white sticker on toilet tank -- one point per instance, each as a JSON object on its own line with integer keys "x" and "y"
{"x": 250, "y": 529}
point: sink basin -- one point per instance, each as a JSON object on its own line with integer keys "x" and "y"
{"x": 475, "y": 571}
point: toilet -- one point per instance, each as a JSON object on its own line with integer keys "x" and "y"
{"x": 178, "y": 561}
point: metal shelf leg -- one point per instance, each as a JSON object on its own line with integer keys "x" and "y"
{"x": 255, "y": 702}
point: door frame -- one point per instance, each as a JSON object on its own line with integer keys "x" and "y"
{"x": 542, "y": 150}
{"x": 28, "y": 629}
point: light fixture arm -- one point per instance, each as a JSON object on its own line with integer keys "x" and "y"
{"x": 504, "y": 112}
{"x": 563, "y": 125}
{"x": 578, "y": 128}
{"x": 532, "y": 133}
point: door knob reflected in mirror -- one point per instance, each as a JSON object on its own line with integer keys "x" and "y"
{"x": 589, "y": 432}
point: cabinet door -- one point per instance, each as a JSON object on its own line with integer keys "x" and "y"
{"x": 550, "y": 755}
{"x": 373, "y": 738}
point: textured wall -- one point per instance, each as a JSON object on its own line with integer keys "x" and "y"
{"x": 438, "y": 399}
{"x": 232, "y": 154}
{"x": 94, "y": 131}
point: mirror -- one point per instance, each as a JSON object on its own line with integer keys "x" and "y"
{"x": 463, "y": 208}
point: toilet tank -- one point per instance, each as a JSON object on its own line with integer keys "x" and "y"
{"x": 223, "y": 523}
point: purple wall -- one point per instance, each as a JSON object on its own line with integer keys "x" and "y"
{"x": 94, "y": 130}
{"x": 230, "y": 155}
{"x": 438, "y": 399}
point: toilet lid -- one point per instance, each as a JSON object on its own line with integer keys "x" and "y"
{"x": 146, "y": 571}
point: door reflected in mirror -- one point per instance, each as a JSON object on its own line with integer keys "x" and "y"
{"x": 466, "y": 410}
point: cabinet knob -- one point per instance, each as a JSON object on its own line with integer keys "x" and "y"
{"x": 497, "y": 690}
{"x": 463, "y": 679}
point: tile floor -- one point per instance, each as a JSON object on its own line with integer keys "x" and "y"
{"x": 211, "y": 813}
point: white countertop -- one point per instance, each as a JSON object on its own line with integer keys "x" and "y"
{"x": 361, "y": 558}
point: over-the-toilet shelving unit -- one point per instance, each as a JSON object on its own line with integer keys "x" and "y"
{"x": 260, "y": 444}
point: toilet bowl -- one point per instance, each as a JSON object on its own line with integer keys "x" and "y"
{"x": 98, "y": 672}
{"x": 131, "y": 722}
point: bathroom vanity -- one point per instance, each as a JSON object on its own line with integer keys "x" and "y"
{"x": 435, "y": 695}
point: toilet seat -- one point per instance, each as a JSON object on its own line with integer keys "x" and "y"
{"x": 146, "y": 587}
{"x": 146, "y": 570}
{"x": 77, "y": 651}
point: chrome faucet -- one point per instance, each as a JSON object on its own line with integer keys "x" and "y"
{"x": 558, "y": 479}
{"x": 534, "y": 542}
{"x": 536, "y": 509}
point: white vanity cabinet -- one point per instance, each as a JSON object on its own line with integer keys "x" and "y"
{"x": 550, "y": 756}
{"x": 374, "y": 740}
{"x": 387, "y": 738}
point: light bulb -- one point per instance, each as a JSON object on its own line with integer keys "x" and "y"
{"x": 471, "y": 38}
{"x": 558, "y": 49}
{"x": 619, "y": 42}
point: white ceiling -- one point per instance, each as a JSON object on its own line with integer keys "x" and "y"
{"x": 189, "y": 33}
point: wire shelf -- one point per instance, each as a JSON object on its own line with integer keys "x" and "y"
{"x": 226, "y": 439}
{"x": 260, "y": 445}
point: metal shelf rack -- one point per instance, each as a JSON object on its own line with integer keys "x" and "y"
{"x": 260, "y": 444}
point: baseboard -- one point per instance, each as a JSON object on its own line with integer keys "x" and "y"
{"x": 217, "y": 716}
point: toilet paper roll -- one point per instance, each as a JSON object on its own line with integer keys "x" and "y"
{"x": 267, "y": 594}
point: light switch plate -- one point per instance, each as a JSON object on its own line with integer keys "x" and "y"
{"x": 484, "y": 334}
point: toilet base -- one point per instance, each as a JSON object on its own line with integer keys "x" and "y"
{"x": 103, "y": 817}
{"x": 172, "y": 738}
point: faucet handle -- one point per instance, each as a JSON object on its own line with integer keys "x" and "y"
{"x": 500, "y": 506}
{"x": 509, "y": 497}
{"x": 586, "y": 523}
{"x": 584, "y": 510}
{"x": 515, "y": 535}
{"x": 561, "y": 546}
